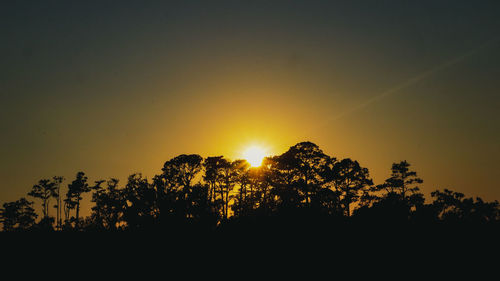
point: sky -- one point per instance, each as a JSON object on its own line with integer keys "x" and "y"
{"x": 117, "y": 87}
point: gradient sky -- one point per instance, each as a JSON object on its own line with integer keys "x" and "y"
{"x": 117, "y": 87}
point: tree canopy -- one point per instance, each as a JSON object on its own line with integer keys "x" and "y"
{"x": 301, "y": 185}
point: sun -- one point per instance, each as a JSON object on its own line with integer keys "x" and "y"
{"x": 254, "y": 155}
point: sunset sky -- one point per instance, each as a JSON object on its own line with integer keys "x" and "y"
{"x": 116, "y": 87}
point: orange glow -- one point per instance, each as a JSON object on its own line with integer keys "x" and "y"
{"x": 254, "y": 155}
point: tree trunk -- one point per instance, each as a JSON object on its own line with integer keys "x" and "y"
{"x": 348, "y": 209}
{"x": 222, "y": 198}
{"x": 78, "y": 213}
{"x": 58, "y": 214}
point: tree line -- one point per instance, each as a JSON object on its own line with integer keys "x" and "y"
{"x": 215, "y": 192}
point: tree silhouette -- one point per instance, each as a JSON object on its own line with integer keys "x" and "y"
{"x": 57, "y": 195}
{"x": 350, "y": 179}
{"x": 308, "y": 162}
{"x": 395, "y": 204}
{"x": 402, "y": 180}
{"x": 261, "y": 192}
{"x": 76, "y": 188}
{"x": 246, "y": 199}
{"x": 281, "y": 175}
{"x": 453, "y": 206}
{"x": 18, "y": 215}
{"x": 229, "y": 176}
{"x": 212, "y": 176}
{"x": 109, "y": 204}
{"x": 140, "y": 208}
{"x": 179, "y": 173}
{"x": 221, "y": 177}
{"x": 302, "y": 187}
{"x": 45, "y": 189}
{"x": 182, "y": 169}
{"x": 298, "y": 175}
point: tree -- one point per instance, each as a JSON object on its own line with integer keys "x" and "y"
{"x": 213, "y": 177}
{"x": 300, "y": 187}
{"x": 182, "y": 169}
{"x": 350, "y": 179}
{"x": 230, "y": 173}
{"x": 201, "y": 212}
{"x": 45, "y": 189}
{"x": 328, "y": 202}
{"x": 140, "y": 208}
{"x": 109, "y": 205}
{"x": 453, "y": 206}
{"x": 18, "y": 215}
{"x": 402, "y": 180}
{"x": 248, "y": 179}
{"x": 308, "y": 162}
{"x": 401, "y": 198}
{"x": 57, "y": 195}
{"x": 68, "y": 205}
{"x": 281, "y": 175}
{"x": 260, "y": 192}
{"x": 298, "y": 174}
{"x": 212, "y": 167}
{"x": 179, "y": 173}
{"x": 76, "y": 188}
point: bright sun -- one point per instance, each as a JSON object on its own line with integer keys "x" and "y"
{"x": 254, "y": 155}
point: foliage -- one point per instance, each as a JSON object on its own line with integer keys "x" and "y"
{"x": 302, "y": 185}
{"x": 18, "y": 215}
